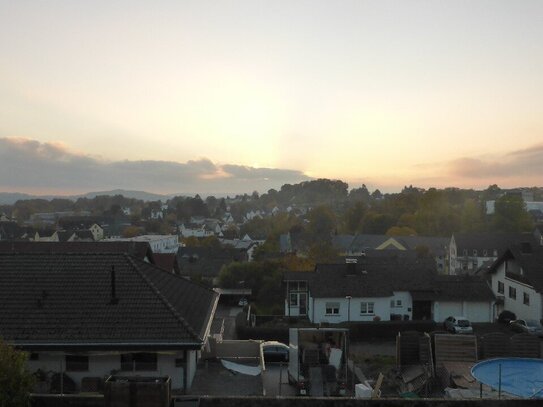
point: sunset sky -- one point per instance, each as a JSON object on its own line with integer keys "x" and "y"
{"x": 231, "y": 96}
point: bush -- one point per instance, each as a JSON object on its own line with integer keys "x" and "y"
{"x": 506, "y": 316}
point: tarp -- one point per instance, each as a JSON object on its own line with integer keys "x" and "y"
{"x": 243, "y": 369}
{"x": 522, "y": 377}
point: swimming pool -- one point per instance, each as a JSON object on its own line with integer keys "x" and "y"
{"x": 519, "y": 376}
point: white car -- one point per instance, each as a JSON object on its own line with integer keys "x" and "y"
{"x": 458, "y": 325}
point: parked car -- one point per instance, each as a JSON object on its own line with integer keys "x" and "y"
{"x": 530, "y": 326}
{"x": 275, "y": 351}
{"x": 458, "y": 325}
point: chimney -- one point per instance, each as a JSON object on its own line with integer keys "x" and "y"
{"x": 114, "y": 299}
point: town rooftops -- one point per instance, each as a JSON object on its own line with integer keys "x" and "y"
{"x": 74, "y": 300}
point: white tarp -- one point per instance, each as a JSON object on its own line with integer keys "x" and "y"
{"x": 335, "y": 357}
{"x": 243, "y": 369}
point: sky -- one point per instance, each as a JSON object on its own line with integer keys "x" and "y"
{"x": 235, "y": 96}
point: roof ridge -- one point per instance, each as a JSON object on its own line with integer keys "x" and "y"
{"x": 161, "y": 297}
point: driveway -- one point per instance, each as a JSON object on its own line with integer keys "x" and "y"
{"x": 228, "y": 314}
{"x": 275, "y": 380}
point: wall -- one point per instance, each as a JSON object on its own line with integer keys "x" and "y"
{"x": 102, "y": 365}
{"x": 522, "y": 311}
{"x": 473, "y": 311}
{"x": 381, "y": 309}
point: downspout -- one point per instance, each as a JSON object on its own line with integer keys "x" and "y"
{"x": 313, "y": 310}
{"x": 185, "y": 371}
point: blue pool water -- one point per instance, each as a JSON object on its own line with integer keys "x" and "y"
{"x": 520, "y": 377}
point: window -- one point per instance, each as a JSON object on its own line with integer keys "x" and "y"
{"x": 526, "y": 299}
{"x": 294, "y": 299}
{"x": 366, "y": 308}
{"x": 465, "y": 252}
{"x": 75, "y": 363}
{"x": 475, "y": 253}
{"x": 392, "y": 304}
{"x": 485, "y": 253}
{"x": 398, "y": 303}
{"x": 332, "y": 308}
{"x": 179, "y": 362}
{"x": 34, "y": 356}
{"x": 501, "y": 287}
{"x": 513, "y": 293}
{"x": 138, "y": 361}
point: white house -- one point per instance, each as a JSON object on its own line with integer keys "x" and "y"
{"x": 385, "y": 289}
{"x": 158, "y": 243}
{"x": 96, "y": 314}
{"x": 517, "y": 281}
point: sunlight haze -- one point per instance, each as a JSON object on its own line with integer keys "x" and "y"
{"x": 387, "y": 93}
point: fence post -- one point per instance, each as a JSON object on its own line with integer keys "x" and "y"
{"x": 499, "y": 381}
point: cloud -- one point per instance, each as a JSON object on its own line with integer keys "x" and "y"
{"x": 29, "y": 165}
{"x": 526, "y": 163}
{"x": 510, "y": 169}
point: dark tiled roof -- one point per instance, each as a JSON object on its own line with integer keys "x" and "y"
{"x": 66, "y": 299}
{"x": 531, "y": 263}
{"x": 383, "y": 276}
{"x": 139, "y": 250}
{"x": 375, "y": 277}
{"x": 490, "y": 242}
{"x": 207, "y": 261}
{"x": 465, "y": 288}
{"x": 166, "y": 261}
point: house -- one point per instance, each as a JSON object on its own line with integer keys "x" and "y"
{"x": 516, "y": 278}
{"x": 207, "y": 262}
{"x": 385, "y": 288}
{"x": 356, "y": 245}
{"x": 469, "y": 252}
{"x": 158, "y": 243}
{"x": 77, "y": 223}
{"x": 90, "y": 315}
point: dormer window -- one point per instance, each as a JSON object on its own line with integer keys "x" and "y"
{"x": 475, "y": 253}
{"x": 485, "y": 253}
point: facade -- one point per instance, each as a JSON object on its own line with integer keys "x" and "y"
{"x": 382, "y": 289}
{"x": 90, "y": 315}
{"x": 517, "y": 281}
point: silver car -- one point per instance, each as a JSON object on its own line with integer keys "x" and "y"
{"x": 458, "y": 325}
{"x": 530, "y": 326}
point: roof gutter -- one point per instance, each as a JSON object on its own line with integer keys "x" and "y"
{"x": 109, "y": 345}
{"x": 211, "y": 316}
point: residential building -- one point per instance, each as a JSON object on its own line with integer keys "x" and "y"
{"x": 469, "y": 252}
{"x": 158, "y": 243}
{"x": 207, "y": 262}
{"x": 90, "y": 315}
{"x": 385, "y": 288}
{"x": 517, "y": 281}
